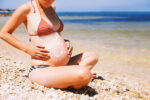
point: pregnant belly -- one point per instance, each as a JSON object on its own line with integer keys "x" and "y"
{"x": 57, "y": 50}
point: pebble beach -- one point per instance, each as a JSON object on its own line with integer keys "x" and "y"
{"x": 123, "y": 69}
{"x": 14, "y": 85}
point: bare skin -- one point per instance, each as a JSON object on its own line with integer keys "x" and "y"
{"x": 49, "y": 49}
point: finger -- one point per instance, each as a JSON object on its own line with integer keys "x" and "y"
{"x": 36, "y": 57}
{"x": 67, "y": 44}
{"x": 68, "y": 51}
{"x": 71, "y": 47}
{"x": 71, "y": 52}
{"x": 40, "y": 57}
{"x": 40, "y": 46}
{"x": 42, "y": 53}
{"x": 43, "y": 50}
{"x": 44, "y": 57}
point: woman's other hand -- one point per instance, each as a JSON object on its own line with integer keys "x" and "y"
{"x": 69, "y": 47}
{"x": 38, "y": 52}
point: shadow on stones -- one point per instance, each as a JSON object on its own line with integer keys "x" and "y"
{"x": 87, "y": 90}
{"x": 98, "y": 78}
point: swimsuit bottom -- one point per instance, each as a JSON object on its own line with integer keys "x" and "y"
{"x": 39, "y": 66}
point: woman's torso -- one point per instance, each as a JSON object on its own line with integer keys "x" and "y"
{"x": 52, "y": 41}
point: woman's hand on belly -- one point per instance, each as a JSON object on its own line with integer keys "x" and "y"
{"x": 38, "y": 52}
{"x": 57, "y": 47}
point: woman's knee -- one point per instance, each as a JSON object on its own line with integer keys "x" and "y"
{"x": 93, "y": 56}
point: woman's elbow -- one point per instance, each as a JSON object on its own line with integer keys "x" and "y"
{"x": 1, "y": 35}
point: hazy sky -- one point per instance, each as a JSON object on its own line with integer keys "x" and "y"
{"x": 89, "y": 5}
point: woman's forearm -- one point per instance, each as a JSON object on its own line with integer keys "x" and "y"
{"x": 12, "y": 40}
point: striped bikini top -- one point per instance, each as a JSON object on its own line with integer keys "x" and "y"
{"x": 44, "y": 28}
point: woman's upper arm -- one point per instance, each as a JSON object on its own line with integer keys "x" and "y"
{"x": 18, "y": 17}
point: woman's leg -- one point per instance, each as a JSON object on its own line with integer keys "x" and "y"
{"x": 88, "y": 59}
{"x": 61, "y": 77}
{"x": 77, "y": 74}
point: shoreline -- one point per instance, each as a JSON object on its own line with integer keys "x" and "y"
{"x": 6, "y": 12}
{"x": 5, "y": 15}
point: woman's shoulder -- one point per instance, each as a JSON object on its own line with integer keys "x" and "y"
{"x": 24, "y": 8}
{"x": 53, "y": 6}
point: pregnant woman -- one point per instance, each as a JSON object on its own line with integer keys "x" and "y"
{"x": 51, "y": 62}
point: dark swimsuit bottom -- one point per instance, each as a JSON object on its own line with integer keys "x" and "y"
{"x": 39, "y": 66}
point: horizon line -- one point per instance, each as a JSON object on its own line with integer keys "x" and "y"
{"x": 81, "y": 11}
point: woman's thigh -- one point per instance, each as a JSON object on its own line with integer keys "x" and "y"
{"x": 60, "y": 77}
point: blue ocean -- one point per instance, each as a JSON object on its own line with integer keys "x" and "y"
{"x": 105, "y": 16}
